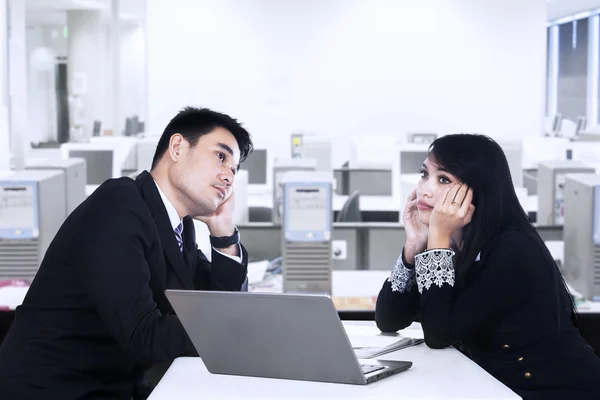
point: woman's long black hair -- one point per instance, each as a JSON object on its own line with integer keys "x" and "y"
{"x": 481, "y": 164}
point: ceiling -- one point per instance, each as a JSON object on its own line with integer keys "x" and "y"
{"x": 54, "y": 12}
{"x": 565, "y": 8}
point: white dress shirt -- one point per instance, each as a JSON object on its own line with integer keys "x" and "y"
{"x": 176, "y": 220}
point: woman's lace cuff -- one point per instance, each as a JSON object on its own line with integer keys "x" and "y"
{"x": 401, "y": 278}
{"x": 434, "y": 267}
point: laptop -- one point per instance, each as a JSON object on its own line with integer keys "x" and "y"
{"x": 286, "y": 336}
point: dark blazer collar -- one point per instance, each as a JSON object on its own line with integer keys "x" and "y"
{"x": 166, "y": 234}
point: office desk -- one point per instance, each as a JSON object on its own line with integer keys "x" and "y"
{"x": 435, "y": 374}
{"x": 12, "y": 293}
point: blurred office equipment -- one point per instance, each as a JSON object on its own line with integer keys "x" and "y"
{"x": 280, "y": 167}
{"x": 370, "y": 181}
{"x": 582, "y": 234}
{"x": 408, "y": 160}
{"x": 29, "y": 219}
{"x": 372, "y": 152}
{"x": 568, "y": 129}
{"x": 97, "y": 128}
{"x": 146, "y": 147}
{"x": 587, "y": 152}
{"x": 129, "y": 129}
{"x": 550, "y": 188}
{"x": 541, "y": 148}
{"x": 100, "y": 163}
{"x": 126, "y": 148}
{"x": 580, "y": 124}
{"x": 350, "y": 212}
{"x": 556, "y": 124}
{"x": 62, "y": 102}
{"x": 240, "y": 205}
{"x": 421, "y": 137}
{"x": 296, "y": 142}
{"x": 314, "y": 147}
{"x": 257, "y": 166}
{"x": 513, "y": 151}
{"x": 74, "y": 176}
{"x": 307, "y": 232}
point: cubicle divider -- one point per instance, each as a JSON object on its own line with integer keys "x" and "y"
{"x": 370, "y": 246}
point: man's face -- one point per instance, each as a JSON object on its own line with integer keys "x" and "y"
{"x": 204, "y": 174}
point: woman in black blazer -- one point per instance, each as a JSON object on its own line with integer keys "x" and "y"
{"x": 476, "y": 274}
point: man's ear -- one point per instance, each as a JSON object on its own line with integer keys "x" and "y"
{"x": 175, "y": 146}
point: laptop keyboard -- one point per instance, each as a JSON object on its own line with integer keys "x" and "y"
{"x": 367, "y": 369}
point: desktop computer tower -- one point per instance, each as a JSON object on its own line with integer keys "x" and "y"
{"x": 307, "y": 232}
{"x": 29, "y": 219}
{"x": 279, "y": 169}
{"x": 582, "y": 234}
{"x": 74, "y": 174}
{"x": 550, "y": 189}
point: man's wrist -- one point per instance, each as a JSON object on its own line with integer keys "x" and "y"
{"x": 233, "y": 250}
{"x": 222, "y": 230}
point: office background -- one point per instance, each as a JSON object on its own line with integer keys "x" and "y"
{"x": 98, "y": 80}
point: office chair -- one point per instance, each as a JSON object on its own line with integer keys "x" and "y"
{"x": 351, "y": 210}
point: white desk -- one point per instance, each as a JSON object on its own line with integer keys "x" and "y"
{"x": 435, "y": 374}
{"x": 12, "y": 293}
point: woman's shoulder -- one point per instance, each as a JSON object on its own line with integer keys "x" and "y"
{"x": 518, "y": 242}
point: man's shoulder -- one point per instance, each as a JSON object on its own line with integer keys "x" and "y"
{"x": 117, "y": 194}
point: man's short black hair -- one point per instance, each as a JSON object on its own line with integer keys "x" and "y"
{"x": 193, "y": 122}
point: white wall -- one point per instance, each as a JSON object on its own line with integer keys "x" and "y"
{"x": 132, "y": 73}
{"x": 350, "y": 66}
{"x": 4, "y": 125}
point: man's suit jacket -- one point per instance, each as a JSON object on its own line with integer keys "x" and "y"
{"x": 96, "y": 315}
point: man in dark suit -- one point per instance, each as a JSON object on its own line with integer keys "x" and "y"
{"x": 96, "y": 316}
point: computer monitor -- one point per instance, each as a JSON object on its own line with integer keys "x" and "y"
{"x": 537, "y": 149}
{"x": 256, "y": 165}
{"x": 319, "y": 149}
{"x": 408, "y": 159}
{"x": 556, "y": 123}
{"x": 581, "y": 124}
{"x": 103, "y": 160}
{"x": 513, "y": 150}
{"x": 99, "y": 164}
{"x": 372, "y": 151}
{"x": 421, "y": 137}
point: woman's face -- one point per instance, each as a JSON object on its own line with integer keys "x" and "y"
{"x": 434, "y": 183}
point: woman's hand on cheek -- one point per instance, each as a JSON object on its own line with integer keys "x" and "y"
{"x": 452, "y": 211}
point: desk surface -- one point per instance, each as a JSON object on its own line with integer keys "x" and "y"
{"x": 435, "y": 374}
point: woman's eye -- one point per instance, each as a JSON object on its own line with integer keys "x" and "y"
{"x": 444, "y": 180}
{"x": 423, "y": 173}
{"x": 221, "y": 156}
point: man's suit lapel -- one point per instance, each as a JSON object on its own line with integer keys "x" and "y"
{"x": 165, "y": 231}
